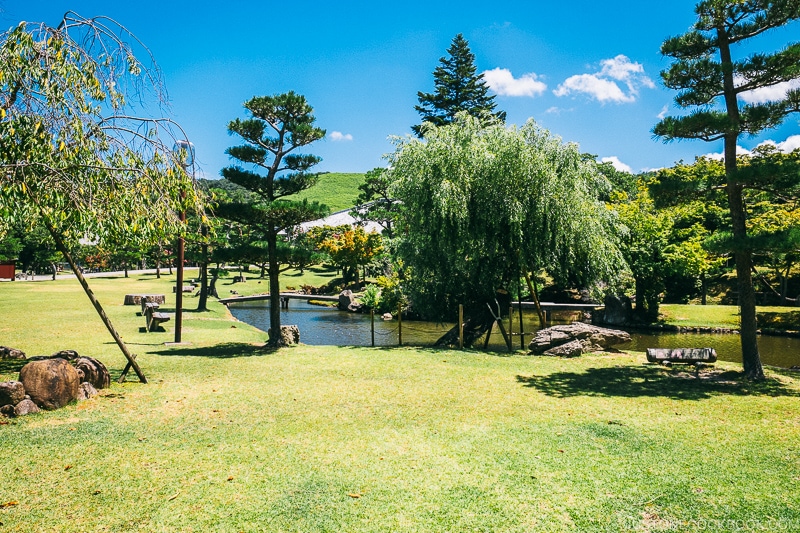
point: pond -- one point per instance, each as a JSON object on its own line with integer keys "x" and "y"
{"x": 327, "y": 326}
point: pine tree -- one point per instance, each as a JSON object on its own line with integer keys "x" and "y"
{"x": 279, "y": 125}
{"x": 708, "y": 77}
{"x": 458, "y": 87}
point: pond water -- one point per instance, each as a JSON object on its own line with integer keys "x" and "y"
{"x": 327, "y": 326}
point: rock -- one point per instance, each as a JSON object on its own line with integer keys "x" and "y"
{"x": 86, "y": 391}
{"x": 69, "y": 355}
{"x": 570, "y": 349}
{"x": 94, "y": 372}
{"x": 11, "y": 353}
{"x": 591, "y": 338}
{"x": 11, "y": 393}
{"x": 618, "y": 310}
{"x": 25, "y": 407}
{"x": 346, "y": 300}
{"x": 290, "y": 335}
{"x": 51, "y": 383}
{"x": 7, "y": 410}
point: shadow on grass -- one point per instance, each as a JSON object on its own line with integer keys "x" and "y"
{"x": 653, "y": 381}
{"x": 11, "y": 366}
{"x": 220, "y": 351}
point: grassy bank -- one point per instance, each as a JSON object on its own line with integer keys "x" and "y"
{"x": 227, "y": 437}
{"x": 727, "y": 316}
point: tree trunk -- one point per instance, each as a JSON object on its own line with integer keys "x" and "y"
{"x": 202, "y": 304}
{"x": 704, "y": 289}
{"x": 212, "y": 287}
{"x": 99, "y": 308}
{"x": 751, "y": 360}
{"x": 274, "y": 292}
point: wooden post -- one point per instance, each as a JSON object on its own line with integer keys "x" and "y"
{"x": 511, "y": 324}
{"x": 460, "y": 326}
{"x": 521, "y": 325}
{"x": 532, "y": 289}
{"x": 372, "y": 324}
{"x": 399, "y": 324}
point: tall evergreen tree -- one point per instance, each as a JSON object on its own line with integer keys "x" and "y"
{"x": 707, "y": 76}
{"x": 278, "y": 126}
{"x": 458, "y": 87}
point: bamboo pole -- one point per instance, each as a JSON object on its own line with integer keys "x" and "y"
{"x": 97, "y": 306}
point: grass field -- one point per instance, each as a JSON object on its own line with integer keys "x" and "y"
{"x": 229, "y": 437}
{"x": 336, "y": 190}
{"x": 727, "y": 316}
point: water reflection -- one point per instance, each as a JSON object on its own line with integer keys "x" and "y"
{"x": 327, "y": 326}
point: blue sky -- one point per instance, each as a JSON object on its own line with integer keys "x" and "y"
{"x": 587, "y": 71}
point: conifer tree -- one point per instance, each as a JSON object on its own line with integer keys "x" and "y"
{"x": 278, "y": 126}
{"x": 458, "y": 87}
{"x": 709, "y": 78}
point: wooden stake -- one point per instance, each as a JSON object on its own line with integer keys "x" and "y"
{"x": 399, "y": 324}
{"x": 460, "y": 326}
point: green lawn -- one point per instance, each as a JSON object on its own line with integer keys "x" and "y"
{"x": 727, "y": 316}
{"x": 228, "y": 437}
{"x": 336, "y": 190}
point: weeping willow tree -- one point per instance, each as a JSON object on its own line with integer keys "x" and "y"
{"x": 84, "y": 149}
{"x": 485, "y": 205}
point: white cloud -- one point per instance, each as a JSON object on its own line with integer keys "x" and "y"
{"x": 663, "y": 113}
{"x": 789, "y": 145}
{"x": 339, "y": 136}
{"x": 617, "y": 164}
{"x": 768, "y": 94}
{"x": 604, "y": 86}
{"x": 719, "y": 156}
{"x": 501, "y": 81}
{"x": 598, "y": 88}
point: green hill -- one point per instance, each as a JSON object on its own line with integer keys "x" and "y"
{"x": 337, "y": 190}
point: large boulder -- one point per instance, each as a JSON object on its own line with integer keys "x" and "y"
{"x": 11, "y": 393}
{"x": 290, "y": 335}
{"x": 347, "y": 301}
{"x": 11, "y": 353}
{"x": 51, "y": 383}
{"x": 570, "y": 349}
{"x": 591, "y": 339}
{"x": 618, "y": 310}
{"x": 94, "y": 372}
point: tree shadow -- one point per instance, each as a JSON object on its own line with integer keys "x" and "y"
{"x": 11, "y": 366}
{"x": 653, "y": 381}
{"x": 219, "y": 351}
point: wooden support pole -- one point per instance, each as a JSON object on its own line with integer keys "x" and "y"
{"x": 532, "y": 289}
{"x": 399, "y": 324}
{"x": 521, "y": 325}
{"x": 511, "y": 327}
{"x": 460, "y": 326}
